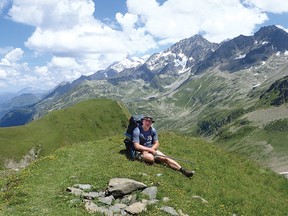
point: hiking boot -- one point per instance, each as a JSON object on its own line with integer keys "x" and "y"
{"x": 188, "y": 174}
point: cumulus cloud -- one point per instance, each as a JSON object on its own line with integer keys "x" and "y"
{"x": 285, "y": 29}
{"x": 3, "y": 4}
{"x": 12, "y": 57}
{"x": 275, "y": 6}
{"x": 178, "y": 19}
{"x": 15, "y": 55}
{"x": 3, "y": 73}
{"x": 52, "y": 13}
{"x": 68, "y": 26}
{"x": 10, "y": 68}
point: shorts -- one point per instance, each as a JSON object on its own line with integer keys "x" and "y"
{"x": 138, "y": 155}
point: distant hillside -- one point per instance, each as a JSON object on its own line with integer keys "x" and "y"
{"x": 89, "y": 120}
{"x": 277, "y": 94}
{"x": 229, "y": 184}
{"x": 18, "y": 103}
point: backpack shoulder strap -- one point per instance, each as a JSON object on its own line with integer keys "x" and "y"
{"x": 152, "y": 131}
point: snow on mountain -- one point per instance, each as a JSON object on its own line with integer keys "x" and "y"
{"x": 128, "y": 63}
{"x": 160, "y": 60}
{"x": 152, "y": 62}
{"x": 181, "y": 61}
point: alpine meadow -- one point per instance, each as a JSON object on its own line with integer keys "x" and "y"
{"x": 220, "y": 109}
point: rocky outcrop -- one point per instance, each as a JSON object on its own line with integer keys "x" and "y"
{"x": 121, "y": 186}
{"x": 123, "y": 196}
{"x": 25, "y": 161}
{"x": 277, "y": 94}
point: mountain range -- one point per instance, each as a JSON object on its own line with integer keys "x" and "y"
{"x": 198, "y": 88}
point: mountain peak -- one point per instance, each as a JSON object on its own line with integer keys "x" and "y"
{"x": 267, "y": 30}
{"x": 127, "y": 63}
{"x": 274, "y": 35}
{"x": 191, "y": 43}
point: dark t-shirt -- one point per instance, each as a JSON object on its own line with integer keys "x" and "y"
{"x": 145, "y": 138}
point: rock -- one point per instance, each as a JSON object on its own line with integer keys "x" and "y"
{"x": 169, "y": 210}
{"x": 91, "y": 195}
{"x": 151, "y": 192}
{"x": 198, "y": 197}
{"x": 166, "y": 199}
{"x": 143, "y": 174}
{"x": 93, "y": 208}
{"x": 120, "y": 205}
{"x": 101, "y": 194}
{"x": 181, "y": 213}
{"x": 75, "y": 191}
{"x": 125, "y": 203}
{"x": 106, "y": 200}
{"x": 152, "y": 201}
{"x": 86, "y": 187}
{"x": 105, "y": 211}
{"x": 127, "y": 199}
{"x": 136, "y": 208}
{"x": 117, "y": 208}
{"x": 121, "y": 186}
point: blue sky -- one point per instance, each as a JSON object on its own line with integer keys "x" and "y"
{"x": 60, "y": 40}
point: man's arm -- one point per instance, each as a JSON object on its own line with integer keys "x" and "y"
{"x": 142, "y": 148}
{"x": 155, "y": 145}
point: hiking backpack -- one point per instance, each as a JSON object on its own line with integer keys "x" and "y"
{"x": 134, "y": 122}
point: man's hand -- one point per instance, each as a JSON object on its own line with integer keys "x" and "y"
{"x": 152, "y": 151}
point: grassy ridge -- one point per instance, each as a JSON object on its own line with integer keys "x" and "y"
{"x": 89, "y": 120}
{"x": 230, "y": 184}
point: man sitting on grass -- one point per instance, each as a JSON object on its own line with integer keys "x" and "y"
{"x": 145, "y": 140}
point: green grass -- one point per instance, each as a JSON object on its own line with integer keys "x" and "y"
{"x": 200, "y": 91}
{"x": 242, "y": 137}
{"x": 231, "y": 184}
{"x": 277, "y": 139}
{"x": 89, "y": 120}
{"x": 213, "y": 122}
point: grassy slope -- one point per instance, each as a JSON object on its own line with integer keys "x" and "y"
{"x": 230, "y": 184}
{"x": 85, "y": 121}
{"x": 219, "y": 111}
{"x": 266, "y": 144}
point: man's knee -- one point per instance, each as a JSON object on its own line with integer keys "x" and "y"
{"x": 148, "y": 158}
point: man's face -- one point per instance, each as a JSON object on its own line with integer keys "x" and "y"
{"x": 147, "y": 122}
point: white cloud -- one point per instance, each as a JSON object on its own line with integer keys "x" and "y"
{"x": 178, "y": 19}
{"x": 3, "y": 4}
{"x": 285, "y": 29}
{"x": 275, "y": 6}
{"x": 12, "y": 57}
{"x": 68, "y": 28}
{"x": 5, "y": 50}
{"x": 63, "y": 62}
{"x": 15, "y": 55}
{"x": 55, "y": 14}
{"x": 3, "y": 73}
